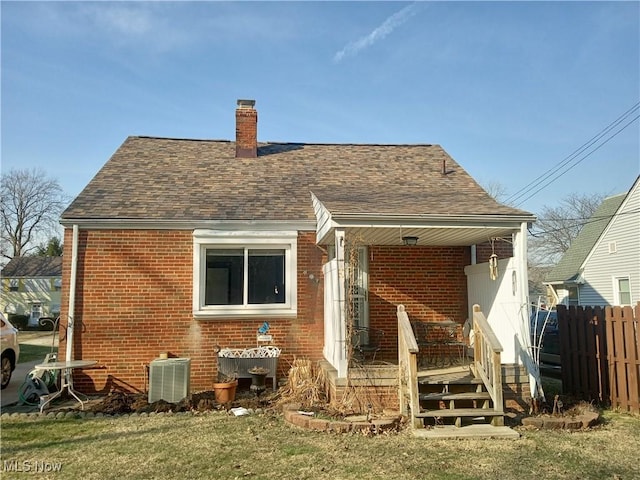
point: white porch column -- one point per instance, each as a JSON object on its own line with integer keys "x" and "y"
{"x": 341, "y": 332}
{"x": 520, "y": 253}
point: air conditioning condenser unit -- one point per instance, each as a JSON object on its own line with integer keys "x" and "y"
{"x": 169, "y": 379}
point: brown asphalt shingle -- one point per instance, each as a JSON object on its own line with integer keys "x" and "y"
{"x": 172, "y": 179}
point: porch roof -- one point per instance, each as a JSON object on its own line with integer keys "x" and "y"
{"x": 400, "y": 216}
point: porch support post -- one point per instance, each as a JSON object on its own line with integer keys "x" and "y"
{"x": 520, "y": 253}
{"x": 341, "y": 334}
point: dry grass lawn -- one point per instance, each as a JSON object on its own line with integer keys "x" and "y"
{"x": 219, "y": 446}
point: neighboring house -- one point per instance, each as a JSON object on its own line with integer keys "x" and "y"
{"x": 31, "y": 286}
{"x": 186, "y": 245}
{"x": 602, "y": 265}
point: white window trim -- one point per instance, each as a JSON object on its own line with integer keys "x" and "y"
{"x": 616, "y": 290}
{"x": 204, "y": 239}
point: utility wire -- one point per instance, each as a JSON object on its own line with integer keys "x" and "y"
{"x": 558, "y": 176}
{"x": 581, "y": 224}
{"x": 569, "y": 158}
{"x": 572, "y": 157}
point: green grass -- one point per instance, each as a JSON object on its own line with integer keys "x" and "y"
{"x": 29, "y": 353}
{"x": 220, "y": 446}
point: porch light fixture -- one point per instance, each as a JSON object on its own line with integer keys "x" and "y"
{"x": 410, "y": 241}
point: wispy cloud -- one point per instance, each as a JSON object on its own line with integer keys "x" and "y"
{"x": 379, "y": 33}
{"x": 121, "y": 19}
{"x": 121, "y": 24}
{"x": 125, "y": 24}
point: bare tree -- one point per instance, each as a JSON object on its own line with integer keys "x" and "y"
{"x": 558, "y": 226}
{"x": 31, "y": 204}
{"x": 496, "y": 190}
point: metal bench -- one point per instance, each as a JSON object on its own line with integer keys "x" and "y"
{"x": 366, "y": 343}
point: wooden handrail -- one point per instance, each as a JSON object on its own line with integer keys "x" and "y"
{"x": 408, "y": 369}
{"x": 487, "y": 360}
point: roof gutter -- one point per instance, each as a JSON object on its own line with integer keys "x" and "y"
{"x": 427, "y": 220}
{"x": 160, "y": 224}
{"x": 564, "y": 282}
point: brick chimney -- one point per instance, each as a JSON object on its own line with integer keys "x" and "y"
{"x": 246, "y": 129}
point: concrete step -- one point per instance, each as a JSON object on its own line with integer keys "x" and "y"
{"x": 445, "y": 432}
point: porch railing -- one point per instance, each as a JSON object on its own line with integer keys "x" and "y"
{"x": 408, "y": 369}
{"x": 487, "y": 360}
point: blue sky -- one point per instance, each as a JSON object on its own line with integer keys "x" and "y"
{"x": 509, "y": 89}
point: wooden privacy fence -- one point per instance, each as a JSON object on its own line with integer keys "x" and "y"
{"x": 600, "y": 354}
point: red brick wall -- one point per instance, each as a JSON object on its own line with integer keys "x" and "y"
{"x": 429, "y": 281}
{"x": 134, "y": 299}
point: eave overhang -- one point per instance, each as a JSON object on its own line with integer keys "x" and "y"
{"x": 430, "y": 229}
{"x": 155, "y": 224}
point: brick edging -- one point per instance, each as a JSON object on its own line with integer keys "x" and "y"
{"x": 293, "y": 416}
{"x": 578, "y": 422}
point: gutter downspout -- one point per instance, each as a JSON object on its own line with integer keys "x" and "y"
{"x": 72, "y": 294}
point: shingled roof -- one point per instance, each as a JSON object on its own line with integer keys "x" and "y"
{"x": 33, "y": 267}
{"x": 197, "y": 180}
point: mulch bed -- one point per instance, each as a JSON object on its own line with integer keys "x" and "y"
{"x": 118, "y": 403}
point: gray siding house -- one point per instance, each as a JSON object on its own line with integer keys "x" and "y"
{"x": 602, "y": 266}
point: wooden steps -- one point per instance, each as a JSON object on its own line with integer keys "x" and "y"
{"x": 460, "y": 412}
{"x": 455, "y": 393}
{"x": 497, "y": 416}
{"x": 453, "y": 376}
{"x": 446, "y": 396}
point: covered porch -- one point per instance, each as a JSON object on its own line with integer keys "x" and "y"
{"x": 437, "y": 267}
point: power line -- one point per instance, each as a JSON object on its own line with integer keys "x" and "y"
{"x": 566, "y": 163}
{"x": 580, "y": 224}
{"x": 557, "y": 177}
{"x": 570, "y": 158}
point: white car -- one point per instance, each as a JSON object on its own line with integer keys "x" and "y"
{"x": 10, "y": 350}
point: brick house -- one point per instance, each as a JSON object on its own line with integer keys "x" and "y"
{"x": 185, "y": 245}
